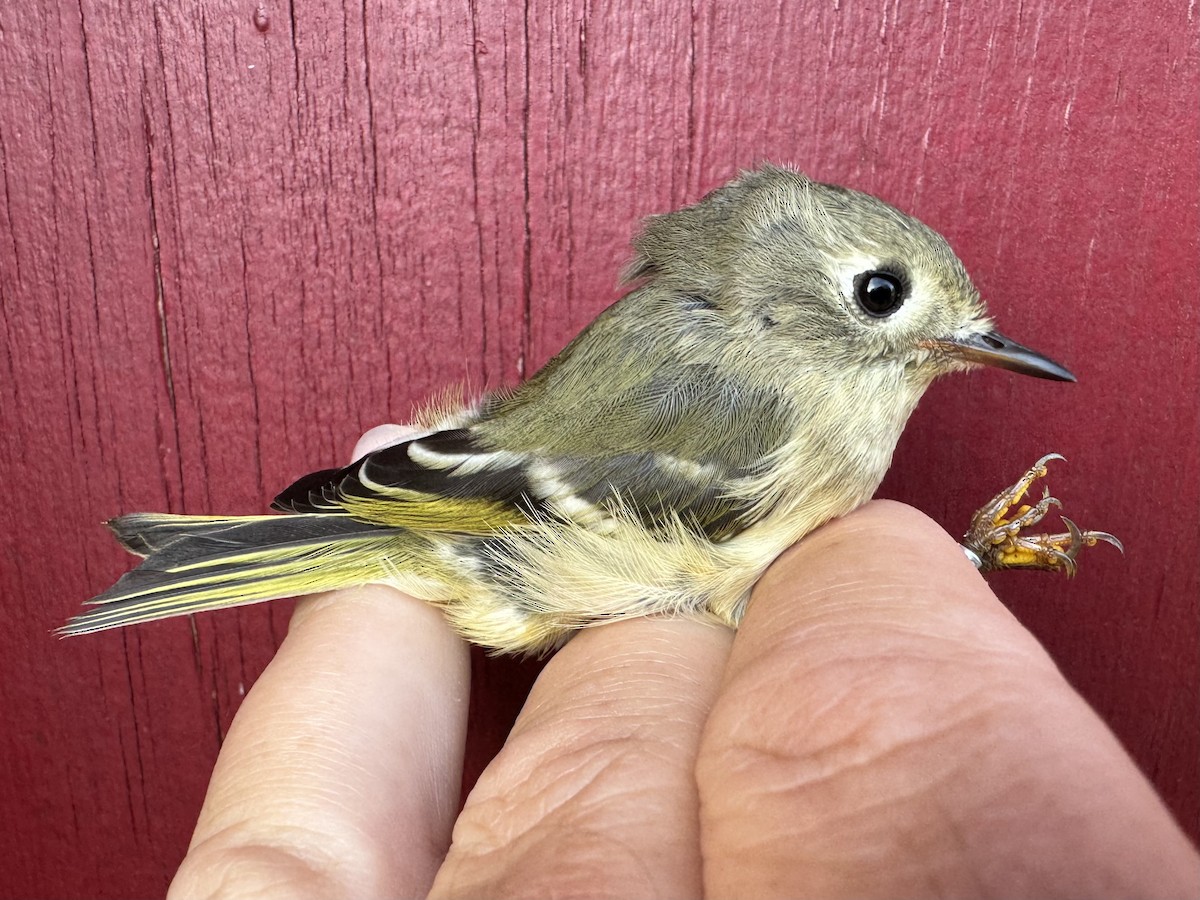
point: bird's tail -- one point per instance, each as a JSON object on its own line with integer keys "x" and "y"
{"x": 197, "y": 563}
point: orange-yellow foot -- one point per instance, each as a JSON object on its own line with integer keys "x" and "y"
{"x": 995, "y": 540}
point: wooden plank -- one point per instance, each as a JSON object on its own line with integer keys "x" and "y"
{"x": 229, "y": 244}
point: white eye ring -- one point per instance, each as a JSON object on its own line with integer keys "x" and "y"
{"x": 856, "y": 273}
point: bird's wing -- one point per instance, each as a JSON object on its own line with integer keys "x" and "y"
{"x": 450, "y": 481}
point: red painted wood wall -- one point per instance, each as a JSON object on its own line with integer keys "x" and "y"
{"x": 233, "y": 237}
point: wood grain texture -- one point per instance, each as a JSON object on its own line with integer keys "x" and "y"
{"x": 232, "y": 237}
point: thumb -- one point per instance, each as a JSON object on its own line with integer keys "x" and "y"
{"x": 887, "y": 728}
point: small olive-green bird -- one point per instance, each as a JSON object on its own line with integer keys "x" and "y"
{"x": 750, "y": 386}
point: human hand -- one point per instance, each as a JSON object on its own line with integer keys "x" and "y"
{"x": 880, "y": 726}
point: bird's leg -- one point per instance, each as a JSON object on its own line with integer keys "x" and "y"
{"x": 995, "y": 541}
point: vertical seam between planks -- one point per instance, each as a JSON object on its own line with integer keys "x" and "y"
{"x": 476, "y": 129}
{"x": 527, "y": 261}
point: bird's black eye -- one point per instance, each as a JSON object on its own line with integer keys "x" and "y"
{"x": 879, "y": 293}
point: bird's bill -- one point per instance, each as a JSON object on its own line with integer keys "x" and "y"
{"x": 991, "y": 348}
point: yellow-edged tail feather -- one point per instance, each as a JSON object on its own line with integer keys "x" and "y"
{"x": 198, "y": 563}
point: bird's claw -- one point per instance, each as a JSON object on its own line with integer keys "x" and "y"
{"x": 995, "y": 539}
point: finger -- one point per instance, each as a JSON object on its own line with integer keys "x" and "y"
{"x": 594, "y": 794}
{"x": 382, "y": 435}
{"x": 339, "y": 776}
{"x": 886, "y": 728}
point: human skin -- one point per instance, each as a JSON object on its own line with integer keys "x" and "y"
{"x": 880, "y": 726}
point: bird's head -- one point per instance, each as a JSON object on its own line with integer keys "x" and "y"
{"x": 833, "y": 276}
